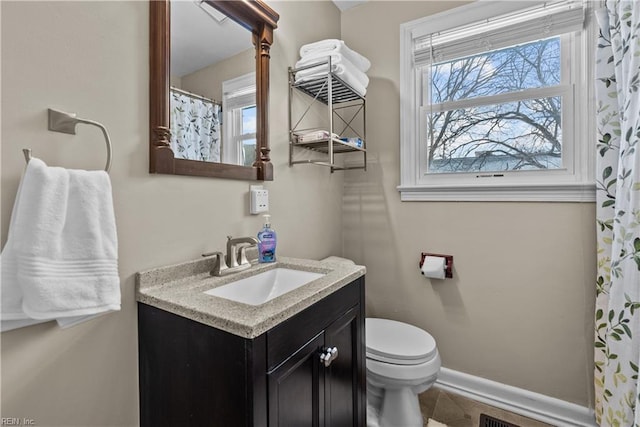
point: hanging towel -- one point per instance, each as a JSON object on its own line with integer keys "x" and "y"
{"x": 339, "y": 65}
{"x": 60, "y": 259}
{"x": 11, "y": 293}
{"x": 330, "y": 46}
{"x": 11, "y": 301}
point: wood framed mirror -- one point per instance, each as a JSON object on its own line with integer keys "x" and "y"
{"x": 260, "y": 20}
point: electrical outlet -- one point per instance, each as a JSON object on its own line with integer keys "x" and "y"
{"x": 258, "y": 199}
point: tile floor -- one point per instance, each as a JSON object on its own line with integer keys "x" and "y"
{"x": 457, "y": 411}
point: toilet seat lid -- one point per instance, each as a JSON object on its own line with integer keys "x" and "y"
{"x": 398, "y": 342}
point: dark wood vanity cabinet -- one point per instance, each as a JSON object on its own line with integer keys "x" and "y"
{"x": 192, "y": 374}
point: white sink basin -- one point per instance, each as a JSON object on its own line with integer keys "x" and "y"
{"x": 263, "y": 287}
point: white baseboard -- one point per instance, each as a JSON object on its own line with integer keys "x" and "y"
{"x": 523, "y": 402}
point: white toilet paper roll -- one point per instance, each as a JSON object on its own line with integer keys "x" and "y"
{"x": 433, "y": 267}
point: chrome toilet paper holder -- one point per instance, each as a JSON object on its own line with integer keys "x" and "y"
{"x": 448, "y": 265}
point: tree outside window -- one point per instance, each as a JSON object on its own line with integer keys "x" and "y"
{"x": 492, "y": 111}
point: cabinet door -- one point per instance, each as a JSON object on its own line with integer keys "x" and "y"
{"x": 296, "y": 388}
{"x": 342, "y": 379}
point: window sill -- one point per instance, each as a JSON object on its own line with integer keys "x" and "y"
{"x": 574, "y": 192}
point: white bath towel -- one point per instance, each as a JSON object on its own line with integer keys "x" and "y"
{"x": 61, "y": 256}
{"x": 339, "y": 65}
{"x": 314, "y": 135}
{"x": 330, "y": 46}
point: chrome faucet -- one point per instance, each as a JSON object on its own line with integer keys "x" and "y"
{"x": 235, "y": 260}
{"x": 232, "y": 256}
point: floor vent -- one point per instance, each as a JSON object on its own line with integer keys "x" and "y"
{"x": 487, "y": 421}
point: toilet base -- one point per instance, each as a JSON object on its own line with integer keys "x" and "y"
{"x": 395, "y": 403}
{"x": 373, "y": 416}
{"x": 400, "y": 408}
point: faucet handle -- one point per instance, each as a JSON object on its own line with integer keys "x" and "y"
{"x": 232, "y": 260}
{"x": 243, "y": 255}
{"x": 220, "y": 266}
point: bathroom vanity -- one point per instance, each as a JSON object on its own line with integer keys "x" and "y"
{"x": 296, "y": 360}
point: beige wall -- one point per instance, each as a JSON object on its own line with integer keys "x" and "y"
{"x": 208, "y": 81}
{"x": 92, "y": 58}
{"x": 519, "y": 309}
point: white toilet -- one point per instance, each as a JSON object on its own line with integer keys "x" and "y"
{"x": 402, "y": 361}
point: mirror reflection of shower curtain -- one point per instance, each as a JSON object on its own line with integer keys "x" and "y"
{"x": 195, "y": 128}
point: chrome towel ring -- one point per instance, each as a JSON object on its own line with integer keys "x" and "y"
{"x": 59, "y": 121}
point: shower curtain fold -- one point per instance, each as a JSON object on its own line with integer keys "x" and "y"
{"x": 617, "y": 317}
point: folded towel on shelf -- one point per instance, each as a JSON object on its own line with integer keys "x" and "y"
{"x": 339, "y": 65}
{"x": 61, "y": 256}
{"x": 314, "y": 135}
{"x": 330, "y": 46}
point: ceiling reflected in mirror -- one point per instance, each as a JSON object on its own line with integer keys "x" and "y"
{"x": 202, "y": 36}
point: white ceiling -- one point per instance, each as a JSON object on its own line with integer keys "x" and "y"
{"x": 348, "y": 4}
{"x": 198, "y": 40}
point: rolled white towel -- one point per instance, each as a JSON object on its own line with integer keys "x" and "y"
{"x": 314, "y": 135}
{"x": 330, "y": 46}
{"x": 339, "y": 65}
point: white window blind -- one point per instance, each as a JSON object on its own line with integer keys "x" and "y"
{"x": 239, "y": 92}
{"x": 543, "y": 21}
{"x": 240, "y": 98}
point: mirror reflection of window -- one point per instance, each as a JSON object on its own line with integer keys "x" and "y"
{"x": 248, "y": 135}
{"x": 239, "y": 124}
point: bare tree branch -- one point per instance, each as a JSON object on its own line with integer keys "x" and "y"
{"x": 526, "y": 131}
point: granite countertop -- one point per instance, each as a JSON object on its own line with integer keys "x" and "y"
{"x": 179, "y": 289}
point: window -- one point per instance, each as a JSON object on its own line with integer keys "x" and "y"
{"x": 494, "y": 101}
{"x": 239, "y": 125}
{"x": 246, "y": 137}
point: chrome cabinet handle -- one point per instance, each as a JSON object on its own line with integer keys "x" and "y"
{"x": 328, "y": 356}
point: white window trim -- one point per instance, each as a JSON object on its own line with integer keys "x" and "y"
{"x": 576, "y": 187}
{"x": 238, "y": 137}
{"x": 237, "y": 93}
